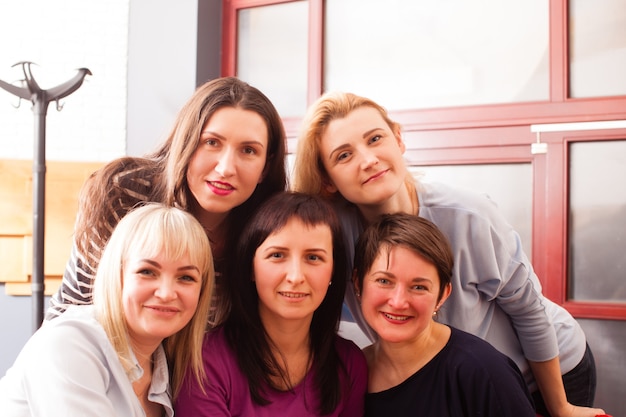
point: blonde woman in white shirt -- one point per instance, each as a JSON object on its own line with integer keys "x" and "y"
{"x": 151, "y": 302}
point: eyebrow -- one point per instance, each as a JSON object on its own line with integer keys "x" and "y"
{"x": 182, "y": 268}
{"x": 286, "y": 248}
{"x": 392, "y": 275}
{"x": 222, "y": 137}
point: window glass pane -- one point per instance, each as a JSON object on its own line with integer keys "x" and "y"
{"x": 607, "y": 340}
{"x": 508, "y": 185}
{"x": 272, "y": 53}
{"x": 417, "y": 54}
{"x": 597, "y": 48}
{"x": 597, "y": 221}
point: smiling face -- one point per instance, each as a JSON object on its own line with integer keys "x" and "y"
{"x": 363, "y": 157}
{"x": 292, "y": 271}
{"x": 399, "y": 295}
{"x": 229, "y": 160}
{"x": 159, "y": 296}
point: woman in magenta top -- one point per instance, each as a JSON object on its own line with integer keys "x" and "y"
{"x": 278, "y": 352}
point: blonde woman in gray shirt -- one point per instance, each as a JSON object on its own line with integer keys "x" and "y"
{"x": 151, "y": 300}
{"x": 350, "y": 151}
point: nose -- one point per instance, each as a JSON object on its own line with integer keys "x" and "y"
{"x": 295, "y": 272}
{"x": 226, "y": 163}
{"x": 166, "y": 289}
{"x": 398, "y": 298}
{"x": 368, "y": 159}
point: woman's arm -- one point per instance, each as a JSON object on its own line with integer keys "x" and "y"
{"x": 76, "y": 287}
{"x": 550, "y": 383}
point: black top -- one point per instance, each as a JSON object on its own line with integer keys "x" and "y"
{"x": 469, "y": 377}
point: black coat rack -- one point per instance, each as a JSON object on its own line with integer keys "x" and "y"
{"x": 30, "y": 90}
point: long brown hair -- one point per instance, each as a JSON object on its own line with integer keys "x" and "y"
{"x": 161, "y": 177}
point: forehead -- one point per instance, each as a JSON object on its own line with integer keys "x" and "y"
{"x": 230, "y": 121}
{"x": 357, "y": 122}
{"x": 403, "y": 262}
{"x": 295, "y": 230}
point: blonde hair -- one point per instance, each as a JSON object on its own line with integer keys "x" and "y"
{"x": 154, "y": 228}
{"x": 309, "y": 174}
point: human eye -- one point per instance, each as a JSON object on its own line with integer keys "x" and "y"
{"x": 249, "y": 150}
{"x": 212, "y": 142}
{"x": 189, "y": 278}
{"x": 419, "y": 287}
{"x": 276, "y": 255}
{"x": 314, "y": 257}
{"x": 374, "y": 139}
{"x": 382, "y": 281}
{"x": 342, "y": 156}
{"x": 145, "y": 272}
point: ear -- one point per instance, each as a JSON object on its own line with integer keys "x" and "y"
{"x": 328, "y": 185}
{"x": 398, "y": 136}
{"x": 446, "y": 293}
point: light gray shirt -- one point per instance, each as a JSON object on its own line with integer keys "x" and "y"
{"x": 69, "y": 368}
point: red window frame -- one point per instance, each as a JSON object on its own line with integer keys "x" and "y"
{"x": 487, "y": 134}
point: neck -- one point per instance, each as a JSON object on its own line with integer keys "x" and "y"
{"x": 211, "y": 222}
{"x": 290, "y": 346}
{"x": 215, "y": 226}
{"x": 144, "y": 350}
{"x": 403, "y": 201}
{"x": 288, "y": 336}
{"x": 391, "y": 363}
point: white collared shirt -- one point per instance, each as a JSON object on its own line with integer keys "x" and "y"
{"x": 69, "y": 368}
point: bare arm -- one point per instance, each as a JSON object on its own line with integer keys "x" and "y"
{"x": 550, "y": 383}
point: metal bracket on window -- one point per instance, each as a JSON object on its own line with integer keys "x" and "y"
{"x": 541, "y": 147}
{"x": 538, "y": 147}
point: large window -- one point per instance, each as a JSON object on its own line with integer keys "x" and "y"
{"x": 467, "y": 80}
{"x": 438, "y": 53}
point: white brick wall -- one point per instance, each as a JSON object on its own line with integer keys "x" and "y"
{"x": 60, "y": 36}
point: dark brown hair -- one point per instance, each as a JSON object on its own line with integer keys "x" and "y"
{"x": 243, "y": 327}
{"x": 407, "y": 230}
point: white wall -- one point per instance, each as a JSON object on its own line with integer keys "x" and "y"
{"x": 143, "y": 59}
{"x": 60, "y": 36}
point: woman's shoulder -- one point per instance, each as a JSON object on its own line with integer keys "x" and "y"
{"x": 474, "y": 352}
{"x": 349, "y": 352}
{"x": 79, "y": 322}
{"x": 216, "y": 349}
{"x": 346, "y": 345}
{"x": 442, "y": 195}
{"x": 74, "y": 336}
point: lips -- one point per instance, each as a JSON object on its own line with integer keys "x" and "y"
{"x": 376, "y": 176}
{"x": 394, "y": 317}
{"x": 163, "y": 309}
{"x": 294, "y": 295}
{"x": 219, "y": 188}
{"x": 221, "y": 185}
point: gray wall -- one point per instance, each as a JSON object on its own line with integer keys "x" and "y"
{"x": 172, "y": 48}
{"x": 16, "y": 325}
{"x": 164, "y": 41}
